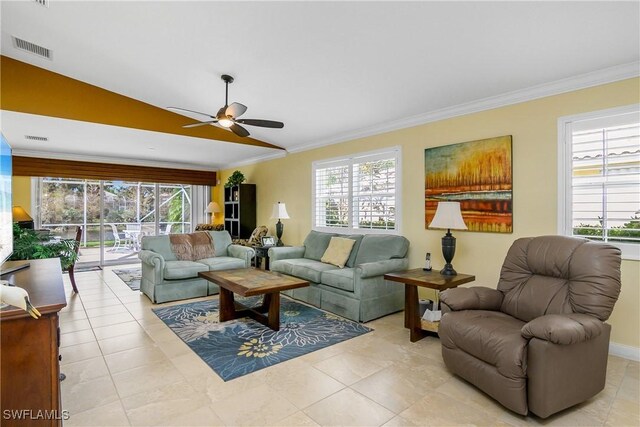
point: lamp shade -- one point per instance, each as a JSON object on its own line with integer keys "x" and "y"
{"x": 279, "y": 211}
{"x": 448, "y": 216}
{"x": 20, "y": 215}
{"x": 213, "y": 207}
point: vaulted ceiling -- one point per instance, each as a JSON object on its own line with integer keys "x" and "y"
{"x": 331, "y": 71}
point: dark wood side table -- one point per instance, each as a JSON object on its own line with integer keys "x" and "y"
{"x": 30, "y": 369}
{"x": 427, "y": 279}
{"x": 262, "y": 252}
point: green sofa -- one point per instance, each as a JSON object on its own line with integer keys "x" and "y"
{"x": 358, "y": 291}
{"x": 164, "y": 278}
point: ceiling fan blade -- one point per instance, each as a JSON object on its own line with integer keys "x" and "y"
{"x": 262, "y": 123}
{"x": 184, "y": 110}
{"x": 235, "y": 110}
{"x": 193, "y": 125}
{"x": 239, "y": 130}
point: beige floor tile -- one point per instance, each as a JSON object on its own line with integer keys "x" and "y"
{"x": 299, "y": 419}
{"x": 348, "y": 408}
{"x": 599, "y": 405}
{"x": 217, "y": 389}
{"x": 105, "y": 302}
{"x": 111, "y": 414}
{"x": 84, "y": 370}
{"x": 110, "y": 319}
{"x": 75, "y": 353}
{"x": 459, "y": 390}
{"x": 398, "y": 421}
{"x": 117, "y": 330}
{"x": 78, "y": 337}
{"x": 624, "y": 413}
{"x": 629, "y": 389}
{"x": 145, "y": 378}
{"x": 71, "y": 316}
{"x": 172, "y": 348}
{"x": 349, "y": 368}
{"x": 437, "y": 409}
{"x": 155, "y": 405}
{"x": 303, "y": 386}
{"x": 267, "y": 407}
{"x": 190, "y": 364}
{"x": 633, "y": 370}
{"x": 86, "y": 395}
{"x": 203, "y": 416}
{"x": 97, "y": 296}
{"x": 323, "y": 354}
{"x": 105, "y": 311}
{"x": 124, "y": 342}
{"x": 129, "y": 359}
{"x": 74, "y": 325}
{"x": 398, "y": 387}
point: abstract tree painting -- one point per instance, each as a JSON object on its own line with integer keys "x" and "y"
{"x": 478, "y": 174}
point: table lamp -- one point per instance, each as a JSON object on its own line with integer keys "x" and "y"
{"x": 213, "y": 208}
{"x": 449, "y": 217}
{"x": 280, "y": 212}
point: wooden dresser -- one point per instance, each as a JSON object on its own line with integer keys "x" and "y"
{"x": 30, "y": 369}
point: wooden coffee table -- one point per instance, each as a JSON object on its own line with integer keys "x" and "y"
{"x": 249, "y": 282}
{"x": 427, "y": 279}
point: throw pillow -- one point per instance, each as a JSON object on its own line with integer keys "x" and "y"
{"x": 338, "y": 251}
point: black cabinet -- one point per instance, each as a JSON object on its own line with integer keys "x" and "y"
{"x": 240, "y": 210}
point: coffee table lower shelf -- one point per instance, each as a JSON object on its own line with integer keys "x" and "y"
{"x": 429, "y": 326}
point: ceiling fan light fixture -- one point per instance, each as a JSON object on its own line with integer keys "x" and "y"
{"x": 225, "y": 122}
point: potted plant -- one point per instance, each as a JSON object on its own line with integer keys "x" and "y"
{"x": 236, "y": 178}
{"x": 27, "y": 245}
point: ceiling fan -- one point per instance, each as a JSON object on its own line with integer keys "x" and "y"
{"x": 227, "y": 116}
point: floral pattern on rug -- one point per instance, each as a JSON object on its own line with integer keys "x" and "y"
{"x": 131, "y": 277}
{"x": 241, "y": 346}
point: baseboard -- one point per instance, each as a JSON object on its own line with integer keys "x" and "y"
{"x": 625, "y": 351}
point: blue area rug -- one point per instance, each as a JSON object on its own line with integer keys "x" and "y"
{"x": 131, "y": 277}
{"x": 238, "y": 347}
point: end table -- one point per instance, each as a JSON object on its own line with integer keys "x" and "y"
{"x": 426, "y": 279}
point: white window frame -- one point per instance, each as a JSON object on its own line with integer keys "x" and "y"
{"x": 566, "y": 125}
{"x": 385, "y": 153}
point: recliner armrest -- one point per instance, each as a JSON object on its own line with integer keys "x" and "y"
{"x": 474, "y": 298}
{"x": 563, "y": 329}
{"x": 277, "y": 253}
{"x": 378, "y": 268}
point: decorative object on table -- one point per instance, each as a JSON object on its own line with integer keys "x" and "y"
{"x": 27, "y": 245}
{"x": 227, "y": 116}
{"x": 131, "y": 277}
{"x": 448, "y": 216}
{"x": 209, "y": 227}
{"x": 212, "y": 209}
{"x": 279, "y": 212}
{"x": 242, "y": 346}
{"x": 17, "y": 297}
{"x": 236, "y": 178}
{"x": 21, "y": 217}
{"x": 478, "y": 174}
{"x": 427, "y": 262}
{"x": 268, "y": 241}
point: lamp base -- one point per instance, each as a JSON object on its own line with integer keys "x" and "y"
{"x": 448, "y": 270}
{"x": 279, "y": 231}
{"x": 448, "y": 251}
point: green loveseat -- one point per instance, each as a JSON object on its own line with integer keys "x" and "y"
{"x": 358, "y": 291}
{"x": 164, "y": 278}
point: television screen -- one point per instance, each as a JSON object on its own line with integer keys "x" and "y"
{"x": 6, "y": 222}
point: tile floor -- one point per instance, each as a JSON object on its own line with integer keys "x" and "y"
{"x": 125, "y": 367}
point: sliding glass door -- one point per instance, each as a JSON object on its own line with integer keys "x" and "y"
{"x": 115, "y": 215}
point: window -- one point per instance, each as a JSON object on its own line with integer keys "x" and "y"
{"x": 359, "y": 193}
{"x": 599, "y": 177}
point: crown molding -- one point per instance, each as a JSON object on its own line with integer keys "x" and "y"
{"x": 111, "y": 160}
{"x": 255, "y": 160}
{"x": 582, "y": 81}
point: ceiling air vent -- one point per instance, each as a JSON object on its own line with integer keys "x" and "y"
{"x": 44, "y": 3}
{"x": 36, "y": 138}
{"x": 31, "y": 48}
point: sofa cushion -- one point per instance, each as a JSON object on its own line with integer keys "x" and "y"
{"x": 303, "y": 268}
{"x": 160, "y": 245}
{"x": 183, "y": 269}
{"x": 222, "y": 263}
{"x": 491, "y": 336}
{"x": 379, "y": 247}
{"x": 221, "y": 241}
{"x": 351, "y": 262}
{"x": 316, "y": 244}
{"x": 340, "y": 279}
{"x": 338, "y": 251}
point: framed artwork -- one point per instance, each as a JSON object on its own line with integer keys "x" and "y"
{"x": 478, "y": 174}
{"x": 268, "y": 241}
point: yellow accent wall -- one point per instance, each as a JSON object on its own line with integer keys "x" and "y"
{"x": 21, "y": 188}
{"x": 533, "y": 126}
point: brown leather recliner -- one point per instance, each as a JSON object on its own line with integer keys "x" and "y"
{"x": 539, "y": 342}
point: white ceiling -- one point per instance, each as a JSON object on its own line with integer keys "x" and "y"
{"x": 328, "y": 70}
